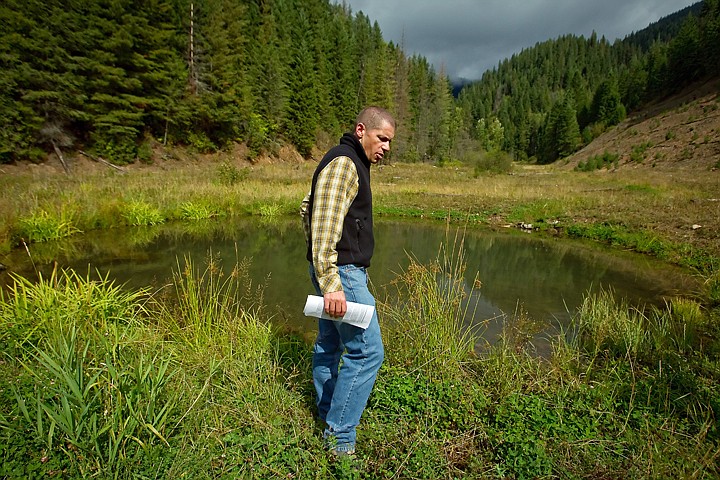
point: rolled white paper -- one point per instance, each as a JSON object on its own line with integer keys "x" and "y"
{"x": 357, "y": 314}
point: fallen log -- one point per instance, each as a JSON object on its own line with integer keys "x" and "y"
{"x": 102, "y": 160}
{"x": 62, "y": 159}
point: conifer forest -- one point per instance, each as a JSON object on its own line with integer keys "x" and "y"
{"x": 111, "y": 76}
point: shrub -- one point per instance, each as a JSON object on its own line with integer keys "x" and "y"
{"x": 493, "y": 162}
{"x": 144, "y": 152}
{"x": 229, "y": 174}
{"x": 606, "y": 160}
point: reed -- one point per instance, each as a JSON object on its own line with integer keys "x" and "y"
{"x": 209, "y": 309}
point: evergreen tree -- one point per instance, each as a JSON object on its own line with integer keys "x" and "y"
{"x": 684, "y": 60}
{"x": 607, "y": 107}
{"x": 561, "y": 134}
{"x": 105, "y": 74}
{"x": 440, "y": 119}
{"x": 491, "y": 134}
{"x": 302, "y": 115}
{"x": 710, "y": 36}
{"x": 401, "y": 100}
{"x": 343, "y": 68}
{"x": 420, "y": 83}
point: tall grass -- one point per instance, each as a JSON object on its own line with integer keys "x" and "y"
{"x": 33, "y": 309}
{"x": 90, "y": 390}
{"x": 98, "y": 382}
{"x": 139, "y": 213}
{"x": 211, "y": 309}
{"x": 608, "y": 326}
{"x": 427, "y": 313}
{"x": 42, "y": 226}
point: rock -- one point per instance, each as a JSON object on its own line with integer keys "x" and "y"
{"x": 696, "y": 226}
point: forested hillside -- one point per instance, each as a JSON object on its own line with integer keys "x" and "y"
{"x": 551, "y": 99}
{"x": 110, "y": 75}
{"x": 114, "y": 76}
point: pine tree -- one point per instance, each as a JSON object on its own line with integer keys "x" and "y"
{"x": 710, "y": 36}
{"x": 561, "y": 134}
{"x": 302, "y": 115}
{"x": 684, "y": 60}
{"x": 41, "y": 96}
{"x": 607, "y": 107}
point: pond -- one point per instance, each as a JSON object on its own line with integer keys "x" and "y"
{"x": 546, "y": 278}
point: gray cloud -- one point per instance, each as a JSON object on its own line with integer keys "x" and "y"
{"x": 468, "y": 37}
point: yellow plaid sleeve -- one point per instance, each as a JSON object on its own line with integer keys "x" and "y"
{"x": 335, "y": 189}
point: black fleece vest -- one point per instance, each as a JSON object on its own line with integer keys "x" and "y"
{"x": 357, "y": 242}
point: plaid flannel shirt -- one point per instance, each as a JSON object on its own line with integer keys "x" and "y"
{"x": 335, "y": 189}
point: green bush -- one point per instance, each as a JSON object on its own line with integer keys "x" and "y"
{"x": 606, "y": 160}
{"x": 144, "y": 152}
{"x": 495, "y": 162}
{"x": 229, "y": 174}
{"x": 201, "y": 142}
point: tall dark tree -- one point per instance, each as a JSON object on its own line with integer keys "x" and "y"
{"x": 303, "y": 116}
{"x": 710, "y": 35}
{"x": 561, "y": 135}
{"x": 607, "y": 108}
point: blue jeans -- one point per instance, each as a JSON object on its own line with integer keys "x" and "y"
{"x": 343, "y": 390}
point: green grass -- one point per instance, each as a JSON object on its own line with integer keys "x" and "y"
{"x": 192, "y": 381}
{"x": 196, "y": 211}
{"x": 42, "y": 226}
{"x": 430, "y": 322}
{"x": 138, "y": 213}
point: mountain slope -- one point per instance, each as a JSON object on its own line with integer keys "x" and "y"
{"x": 681, "y": 132}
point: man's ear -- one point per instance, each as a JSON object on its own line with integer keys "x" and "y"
{"x": 360, "y": 130}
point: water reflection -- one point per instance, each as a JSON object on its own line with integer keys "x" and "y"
{"x": 545, "y": 278}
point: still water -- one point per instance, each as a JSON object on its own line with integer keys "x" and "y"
{"x": 546, "y": 278}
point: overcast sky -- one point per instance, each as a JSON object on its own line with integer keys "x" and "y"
{"x": 468, "y": 37}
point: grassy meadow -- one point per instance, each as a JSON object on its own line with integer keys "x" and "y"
{"x": 194, "y": 382}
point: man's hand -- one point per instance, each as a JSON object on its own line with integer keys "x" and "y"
{"x": 335, "y": 303}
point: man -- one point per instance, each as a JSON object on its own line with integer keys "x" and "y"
{"x": 337, "y": 217}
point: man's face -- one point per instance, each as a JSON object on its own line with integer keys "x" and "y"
{"x": 375, "y": 142}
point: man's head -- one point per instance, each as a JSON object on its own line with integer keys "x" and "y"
{"x": 375, "y": 129}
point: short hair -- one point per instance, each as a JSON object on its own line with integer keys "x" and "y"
{"x": 374, "y": 117}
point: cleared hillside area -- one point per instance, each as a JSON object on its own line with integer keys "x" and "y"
{"x": 678, "y": 133}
